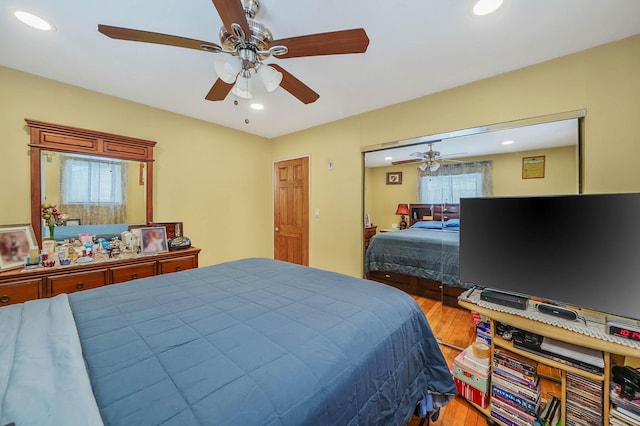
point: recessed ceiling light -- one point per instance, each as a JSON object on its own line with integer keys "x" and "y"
{"x": 33, "y": 20}
{"x": 257, "y": 106}
{"x": 507, "y": 142}
{"x": 388, "y": 158}
{"x": 485, "y": 7}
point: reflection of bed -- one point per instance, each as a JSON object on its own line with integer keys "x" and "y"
{"x": 419, "y": 261}
{"x": 254, "y": 341}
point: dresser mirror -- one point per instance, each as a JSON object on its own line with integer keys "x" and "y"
{"x": 96, "y": 179}
{"x": 92, "y": 190}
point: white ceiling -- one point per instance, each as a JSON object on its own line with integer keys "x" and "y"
{"x": 527, "y": 138}
{"x": 416, "y": 48}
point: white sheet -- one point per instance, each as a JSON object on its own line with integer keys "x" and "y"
{"x": 43, "y": 379}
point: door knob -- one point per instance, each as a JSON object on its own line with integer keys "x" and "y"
{"x": 277, "y": 229}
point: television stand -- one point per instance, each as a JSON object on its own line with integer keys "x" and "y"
{"x": 613, "y": 354}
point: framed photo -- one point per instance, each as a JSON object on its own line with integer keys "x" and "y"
{"x": 15, "y": 242}
{"x": 154, "y": 240}
{"x": 72, "y": 222}
{"x": 394, "y": 178}
{"x": 533, "y": 167}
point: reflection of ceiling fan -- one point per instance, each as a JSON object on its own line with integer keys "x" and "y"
{"x": 430, "y": 160}
{"x": 248, "y": 42}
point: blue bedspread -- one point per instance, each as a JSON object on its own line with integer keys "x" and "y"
{"x": 424, "y": 253}
{"x": 258, "y": 341}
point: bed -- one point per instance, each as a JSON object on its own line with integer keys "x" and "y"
{"x": 253, "y": 341}
{"x": 422, "y": 259}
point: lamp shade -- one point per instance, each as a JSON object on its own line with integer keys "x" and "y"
{"x": 241, "y": 89}
{"x": 228, "y": 69}
{"x": 402, "y": 209}
{"x": 270, "y": 77}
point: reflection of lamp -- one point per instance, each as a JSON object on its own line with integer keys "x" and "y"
{"x": 403, "y": 209}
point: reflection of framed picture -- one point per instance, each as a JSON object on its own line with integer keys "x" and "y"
{"x": 154, "y": 240}
{"x": 72, "y": 222}
{"x": 15, "y": 242}
{"x": 533, "y": 167}
{"x": 394, "y": 178}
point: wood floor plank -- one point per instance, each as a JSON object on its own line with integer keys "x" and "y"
{"x": 454, "y": 326}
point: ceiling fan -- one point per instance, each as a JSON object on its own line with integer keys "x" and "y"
{"x": 430, "y": 160}
{"x": 248, "y": 42}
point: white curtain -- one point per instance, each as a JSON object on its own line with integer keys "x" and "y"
{"x": 454, "y": 181}
{"x": 93, "y": 189}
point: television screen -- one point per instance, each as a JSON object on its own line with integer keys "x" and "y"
{"x": 580, "y": 250}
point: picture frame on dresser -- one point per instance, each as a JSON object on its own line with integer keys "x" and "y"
{"x": 154, "y": 240}
{"x": 15, "y": 243}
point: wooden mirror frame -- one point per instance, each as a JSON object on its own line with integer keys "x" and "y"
{"x": 55, "y": 137}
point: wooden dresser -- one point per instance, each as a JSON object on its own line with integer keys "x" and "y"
{"x": 19, "y": 285}
{"x": 369, "y": 231}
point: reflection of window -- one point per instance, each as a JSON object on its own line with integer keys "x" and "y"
{"x": 92, "y": 180}
{"x": 449, "y": 189}
{"x": 454, "y": 181}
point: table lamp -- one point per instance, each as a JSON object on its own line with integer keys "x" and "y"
{"x": 402, "y": 210}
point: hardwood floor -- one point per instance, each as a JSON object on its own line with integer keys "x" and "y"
{"x": 454, "y": 326}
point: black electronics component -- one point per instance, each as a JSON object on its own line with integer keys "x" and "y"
{"x": 568, "y": 314}
{"x": 629, "y": 380}
{"x": 505, "y": 299}
{"x": 559, "y": 261}
{"x": 623, "y": 330}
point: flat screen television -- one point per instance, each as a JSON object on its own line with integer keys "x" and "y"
{"x": 579, "y": 250}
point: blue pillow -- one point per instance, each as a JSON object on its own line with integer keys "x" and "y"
{"x": 428, "y": 224}
{"x": 452, "y": 223}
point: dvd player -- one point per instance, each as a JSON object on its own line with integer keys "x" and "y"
{"x": 505, "y": 299}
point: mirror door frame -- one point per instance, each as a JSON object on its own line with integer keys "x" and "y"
{"x": 56, "y": 137}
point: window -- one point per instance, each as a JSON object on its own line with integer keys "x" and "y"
{"x": 454, "y": 181}
{"x": 92, "y": 180}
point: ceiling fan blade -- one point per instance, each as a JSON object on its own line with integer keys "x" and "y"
{"x": 219, "y": 91}
{"x": 231, "y": 11}
{"x": 395, "y": 163}
{"x": 332, "y": 43}
{"x": 417, "y": 154}
{"x": 149, "y": 37}
{"x": 297, "y": 88}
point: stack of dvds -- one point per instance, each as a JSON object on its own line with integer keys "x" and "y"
{"x": 515, "y": 389}
{"x": 625, "y": 411}
{"x": 584, "y": 401}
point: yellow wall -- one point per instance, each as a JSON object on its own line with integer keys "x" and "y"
{"x": 218, "y": 182}
{"x": 212, "y": 178}
{"x": 561, "y": 177}
{"x": 603, "y": 80}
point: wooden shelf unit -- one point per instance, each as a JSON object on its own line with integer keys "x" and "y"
{"x": 611, "y": 351}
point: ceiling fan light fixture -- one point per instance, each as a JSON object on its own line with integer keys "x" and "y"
{"x": 270, "y": 77}
{"x": 241, "y": 89}
{"x": 485, "y": 7}
{"x": 228, "y": 69}
{"x": 434, "y": 166}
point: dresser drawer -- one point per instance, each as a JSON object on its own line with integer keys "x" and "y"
{"x": 19, "y": 292}
{"x": 70, "y": 283}
{"x": 179, "y": 264}
{"x": 389, "y": 277}
{"x": 127, "y": 273}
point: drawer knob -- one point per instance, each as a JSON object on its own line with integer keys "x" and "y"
{"x": 5, "y": 299}
{"x": 134, "y": 276}
{"x": 387, "y": 276}
{"x": 80, "y": 285}
{"x": 178, "y": 268}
